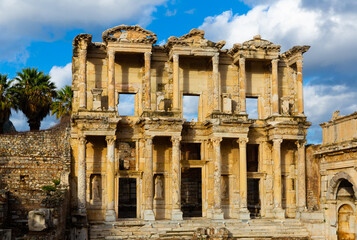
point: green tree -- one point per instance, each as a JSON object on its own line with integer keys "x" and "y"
{"x": 7, "y": 100}
{"x": 34, "y": 93}
{"x": 62, "y": 107}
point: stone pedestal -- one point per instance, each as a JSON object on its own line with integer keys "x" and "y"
{"x": 176, "y": 214}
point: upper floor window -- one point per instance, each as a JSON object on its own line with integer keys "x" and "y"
{"x": 126, "y": 106}
{"x": 252, "y": 107}
{"x": 190, "y": 107}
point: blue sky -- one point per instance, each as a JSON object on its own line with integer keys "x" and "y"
{"x": 39, "y": 33}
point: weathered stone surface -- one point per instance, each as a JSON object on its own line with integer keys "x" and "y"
{"x": 39, "y": 219}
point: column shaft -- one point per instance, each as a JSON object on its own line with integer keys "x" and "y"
{"x": 277, "y": 178}
{"x": 242, "y": 85}
{"x": 176, "y": 83}
{"x": 82, "y": 77}
{"x": 301, "y": 183}
{"x": 176, "y": 179}
{"x": 149, "y": 184}
{"x": 82, "y": 174}
{"x": 300, "y": 96}
{"x": 111, "y": 80}
{"x": 275, "y": 87}
{"x": 217, "y": 214}
{"x": 243, "y": 212}
{"x": 110, "y": 180}
{"x": 216, "y": 87}
{"x": 147, "y": 84}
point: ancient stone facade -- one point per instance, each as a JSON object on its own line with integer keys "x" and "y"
{"x": 225, "y": 165}
{"x": 338, "y": 168}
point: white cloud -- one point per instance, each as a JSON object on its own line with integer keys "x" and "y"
{"x": 61, "y": 76}
{"x": 24, "y": 21}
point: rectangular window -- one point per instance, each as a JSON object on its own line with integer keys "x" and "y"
{"x": 190, "y": 151}
{"x": 190, "y": 107}
{"x": 126, "y": 106}
{"x": 252, "y": 107}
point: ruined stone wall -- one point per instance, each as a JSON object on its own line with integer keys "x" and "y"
{"x": 313, "y": 179}
{"x": 29, "y": 161}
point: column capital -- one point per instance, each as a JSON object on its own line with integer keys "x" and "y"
{"x": 277, "y": 141}
{"x": 148, "y": 139}
{"x": 242, "y": 60}
{"x": 175, "y": 57}
{"x": 147, "y": 55}
{"x": 216, "y": 141}
{"x": 242, "y": 141}
{"x": 300, "y": 143}
{"x": 275, "y": 61}
{"x": 215, "y": 58}
{"x": 176, "y": 139}
{"x": 110, "y": 52}
{"x": 82, "y": 139}
{"x": 110, "y": 139}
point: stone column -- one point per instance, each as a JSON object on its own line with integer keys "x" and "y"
{"x": 243, "y": 212}
{"x": 111, "y": 80}
{"x": 176, "y": 83}
{"x": 275, "y": 87}
{"x": 300, "y": 96}
{"x": 217, "y": 211}
{"x": 82, "y": 175}
{"x": 147, "y": 88}
{"x": 82, "y": 77}
{"x": 278, "y": 211}
{"x": 176, "y": 213}
{"x": 216, "y": 90}
{"x": 242, "y": 85}
{"x": 110, "y": 181}
{"x": 301, "y": 174}
{"x": 149, "y": 178}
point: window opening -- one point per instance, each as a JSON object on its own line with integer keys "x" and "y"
{"x": 191, "y": 151}
{"x": 252, "y": 157}
{"x": 252, "y": 107}
{"x": 126, "y": 106}
{"x": 190, "y": 107}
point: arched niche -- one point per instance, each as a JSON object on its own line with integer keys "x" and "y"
{"x": 335, "y": 182}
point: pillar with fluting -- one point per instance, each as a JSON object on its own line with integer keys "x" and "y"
{"x": 300, "y": 97}
{"x": 242, "y": 85}
{"x": 217, "y": 205}
{"x": 216, "y": 90}
{"x": 176, "y": 83}
{"x": 243, "y": 211}
{"x": 111, "y": 80}
{"x": 148, "y": 180}
{"x": 81, "y": 190}
{"x": 147, "y": 83}
{"x": 275, "y": 87}
{"x": 176, "y": 213}
{"x": 82, "y": 77}
{"x": 301, "y": 182}
{"x": 278, "y": 211}
{"x": 110, "y": 179}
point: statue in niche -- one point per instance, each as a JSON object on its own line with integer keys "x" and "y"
{"x": 285, "y": 105}
{"x": 96, "y": 188}
{"x": 158, "y": 187}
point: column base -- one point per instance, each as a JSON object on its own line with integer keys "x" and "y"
{"x": 111, "y": 108}
{"x": 110, "y": 216}
{"x": 279, "y": 213}
{"x": 244, "y": 214}
{"x": 149, "y": 215}
{"x": 176, "y": 214}
{"x": 217, "y": 214}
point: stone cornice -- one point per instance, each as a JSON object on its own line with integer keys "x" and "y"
{"x": 296, "y": 50}
{"x": 82, "y": 40}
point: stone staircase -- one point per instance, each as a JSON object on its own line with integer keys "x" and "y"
{"x": 255, "y": 229}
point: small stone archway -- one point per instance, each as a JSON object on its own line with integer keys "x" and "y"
{"x": 334, "y": 183}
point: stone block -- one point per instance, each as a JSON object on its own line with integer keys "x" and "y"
{"x": 39, "y": 219}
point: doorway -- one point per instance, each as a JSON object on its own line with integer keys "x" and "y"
{"x": 191, "y": 192}
{"x": 127, "y": 198}
{"x": 253, "y": 199}
{"x": 345, "y": 218}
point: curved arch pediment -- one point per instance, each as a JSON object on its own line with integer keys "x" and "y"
{"x": 334, "y": 183}
{"x": 130, "y": 34}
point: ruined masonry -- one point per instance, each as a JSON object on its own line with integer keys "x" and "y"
{"x": 223, "y": 171}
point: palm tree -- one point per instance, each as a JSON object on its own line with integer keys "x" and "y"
{"x": 62, "y": 107}
{"x": 34, "y": 93}
{"x": 7, "y": 100}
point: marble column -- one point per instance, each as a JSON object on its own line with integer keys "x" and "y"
{"x": 176, "y": 213}
{"x": 242, "y": 85}
{"x": 217, "y": 211}
{"x": 149, "y": 180}
{"x": 301, "y": 174}
{"x": 82, "y": 77}
{"x": 216, "y": 90}
{"x": 278, "y": 211}
{"x": 300, "y": 96}
{"x": 147, "y": 84}
{"x": 110, "y": 179}
{"x": 275, "y": 87}
{"x": 82, "y": 175}
{"x": 111, "y": 80}
{"x": 243, "y": 211}
{"x": 176, "y": 83}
